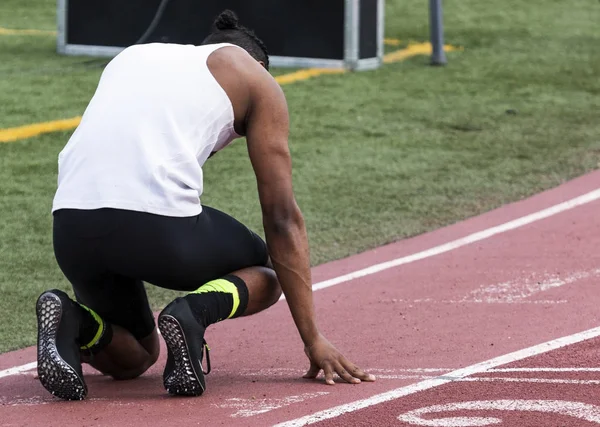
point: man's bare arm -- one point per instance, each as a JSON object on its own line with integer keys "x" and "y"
{"x": 267, "y": 125}
{"x": 267, "y": 136}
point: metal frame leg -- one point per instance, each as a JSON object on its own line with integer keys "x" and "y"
{"x": 436, "y": 25}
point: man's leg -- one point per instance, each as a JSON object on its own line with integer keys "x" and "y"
{"x": 263, "y": 288}
{"x": 125, "y": 357}
{"x": 70, "y": 332}
{"x": 111, "y": 326}
{"x": 241, "y": 293}
{"x": 176, "y": 253}
{"x": 184, "y": 322}
{"x": 122, "y": 305}
{"x": 128, "y": 356}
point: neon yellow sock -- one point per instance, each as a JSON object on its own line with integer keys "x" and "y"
{"x": 221, "y": 286}
{"x": 95, "y": 323}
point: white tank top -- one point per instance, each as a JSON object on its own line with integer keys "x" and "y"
{"x": 156, "y": 116}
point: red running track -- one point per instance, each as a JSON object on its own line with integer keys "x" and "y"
{"x": 415, "y": 325}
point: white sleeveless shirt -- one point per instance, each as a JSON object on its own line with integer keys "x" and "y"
{"x": 155, "y": 118}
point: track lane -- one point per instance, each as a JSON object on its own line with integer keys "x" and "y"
{"x": 424, "y": 314}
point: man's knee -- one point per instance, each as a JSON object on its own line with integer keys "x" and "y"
{"x": 274, "y": 286}
{"x": 152, "y": 347}
{"x": 121, "y": 374}
{"x": 130, "y": 374}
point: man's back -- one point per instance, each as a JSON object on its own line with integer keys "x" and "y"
{"x": 156, "y": 116}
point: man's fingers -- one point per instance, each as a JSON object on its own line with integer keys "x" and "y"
{"x": 356, "y": 372}
{"x": 345, "y": 375}
{"x": 313, "y": 371}
{"x": 328, "y": 371}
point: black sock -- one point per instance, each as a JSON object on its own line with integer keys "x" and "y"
{"x": 218, "y": 300}
{"x": 94, "y": 332}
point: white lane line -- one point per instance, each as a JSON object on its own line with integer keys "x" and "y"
{"x": 471, "y": 238}
{"x": 18, "y": 369}
{"x": 426, "y": 373}
{"x": 278, "y": 372}
{"x": 441, "y": 380}
{"x": 506, "y": 370}
{"x": 446, "y": 247}
{"x": 480, "y": 301}
{"x": 530, "y": 380}
{"x": 494, "y": 379}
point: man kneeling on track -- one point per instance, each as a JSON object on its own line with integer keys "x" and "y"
{"x": 127, "y": 211}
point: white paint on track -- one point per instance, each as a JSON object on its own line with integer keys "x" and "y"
{"x": 18, "y": 369}
{"x": 252, "y": 407}
{"x": 480, "y": 301}
{"x": 506, "y": 370}
{"x": 495, "y": 379}
{"x": 289, "y": 372}
{"x": 441, "y": 380}
{"x": 464, "y": 241}
{"x": 530, "y": 380}
{"x": 582, "y": 411}
{"x": 427, "y": 373}
{"x": 515, "y": 291}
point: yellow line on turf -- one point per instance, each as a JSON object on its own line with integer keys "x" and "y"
{"x": 413, "y": 50}
{"x": 28, "y": 131}
{"x": 392, "y": 42}
{"x": 11, "y": 32}
{"x": 306, "y": 74}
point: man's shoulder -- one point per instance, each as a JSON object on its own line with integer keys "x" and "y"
{"x": 230, "y": 53}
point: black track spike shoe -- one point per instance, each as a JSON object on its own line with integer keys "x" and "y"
{"x": 58, "y": 359}
{"x": 184, "y": 336}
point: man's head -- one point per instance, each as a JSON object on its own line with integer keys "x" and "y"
{"x": 228, "y": 30}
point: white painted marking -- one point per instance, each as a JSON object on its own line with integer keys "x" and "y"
{"x": 252, "y": 407}
{"x": 530, "y": 380}
{"x": 27, "y": 401}
{"x": 445, "y": 379}
{"x": 480, "y": 301}
{"x": 410, "y": 370}
{"x": 396, "y": 370}
{"x": 18, "y": 369}
{"x": 277, "y": 372}
{"x": 467, "y": 240}
{"x": 37, "y": 400}
{"x": 545, "y": 370}
{"x": 516, "y": 291}
{"x": 425, "y": 373}
{"x": 582, "y": 411}
{"x": 400, "y": 376}
{"x": 455, "y": 244}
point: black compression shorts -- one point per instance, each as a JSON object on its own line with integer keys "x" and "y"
{"x": 107, "y": 254}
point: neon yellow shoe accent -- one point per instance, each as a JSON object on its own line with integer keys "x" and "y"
{"x": 221, "y": 285}
{"x": 100, "y": 328}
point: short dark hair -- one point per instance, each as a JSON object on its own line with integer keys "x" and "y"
{"x": 228, "y": 30}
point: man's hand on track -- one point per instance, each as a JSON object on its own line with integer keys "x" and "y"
{"x": 324, "y": 356}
